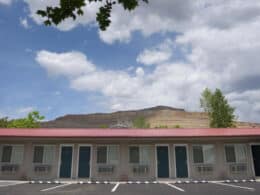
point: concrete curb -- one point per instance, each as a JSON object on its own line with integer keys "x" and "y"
{"x": 142, "y": 182}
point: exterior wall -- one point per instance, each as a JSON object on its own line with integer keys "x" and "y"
{"x": 124, "y": 170}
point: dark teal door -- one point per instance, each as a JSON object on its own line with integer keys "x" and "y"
{"x": 84, "y": 161}
{"x": 181, "y": 161}
{"x": 256, "y": 159}
{"x": 66, "y": 161}
{"x": 162, "y": 162}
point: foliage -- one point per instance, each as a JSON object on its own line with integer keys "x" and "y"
{"x": 221, "y": 114}
{"x": 3, "y": 122}
{"x": 74, "y": 8}
{"x": 177, "y": 126}
{"x": 31, "y": 121}
{"x": 140, "y": 122}
{"x": 104, "y": 126}
{"x": 205, "y": 100}
{"x": 162, "y": 127}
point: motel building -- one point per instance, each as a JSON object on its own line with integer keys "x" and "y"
{"x": 129, "y": 154}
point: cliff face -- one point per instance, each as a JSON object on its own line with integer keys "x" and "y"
{"x": 155, "y": 116}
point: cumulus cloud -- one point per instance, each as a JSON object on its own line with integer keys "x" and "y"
{"x": 159, "y": 16}
{"x": 24, "y": 23}
{"x": 5, "y": 2}
{"x": 24, "y": 110}
{"x": 139, "y": 72}
{"x": 156, "y": 55}
{"x": 16, "y": 112}
{"x": 171, "y": 83}
{"x": 88, "y": 18}
{"x": 69, "y": 64}
{"x": 219, "y": 42}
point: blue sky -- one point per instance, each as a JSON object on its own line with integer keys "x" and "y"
{"x": 157, "y": 55}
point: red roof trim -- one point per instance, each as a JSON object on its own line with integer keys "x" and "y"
{"x": 129, "y": 133}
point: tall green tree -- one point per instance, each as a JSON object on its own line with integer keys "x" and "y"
{"x": 74, "y": 8}
{"x": 221, "y": 114}
{"x": 4, "y": 122}
{"x": 31, "y": 121}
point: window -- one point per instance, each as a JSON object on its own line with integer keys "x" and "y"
{"x": 44, "y": 154}
{"x": 107, "y": 154}
{"x": 235, "y": 153}
{"x": 12, "y": 154}
{"x": 204, "y": 154}
{"x": 7, "y": 152}
{"x": 38, "y": 154}
{"x": 102, "y": 154}
{"x": 134, "y": 154}
{"x": 139, "y": 154}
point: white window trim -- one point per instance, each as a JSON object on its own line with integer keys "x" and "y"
{"x": 251, "y": 155}
{"x": 233, "y": 144}
{"x": 10, "y": 163}
{"x": 138, "y": 145}
{"x": 203, "y": 163}
{"x": 37, "y": 163}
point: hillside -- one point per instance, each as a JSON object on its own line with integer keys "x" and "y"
{"x": 155, "y": 116}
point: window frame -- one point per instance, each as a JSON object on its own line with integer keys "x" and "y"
{"x": 203, "y": 163}
{"x": 11, "y": 160}
{"x": 234, "y": 145}
{"x": 107, "y": 151}
{"x": 43, "y": 145}
{"x": 139, "y": 155}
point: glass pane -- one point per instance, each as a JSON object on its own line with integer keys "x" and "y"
{"x": 208, "y": 154}
{"x": 7, "y": 152}
{"x": 145, "y": 155}
{"x": 38, "y": 154}
{"x": 197, "y": 154}
{"x": 17, "y": 154}
{"x": 113, "y": 153}
{"x": 48, "y": 154}
{"x": 230, "y": 154}
{"x": 102, "y": 154}
{"x": 240, "y": 153}
{"x": 134, "y": 154}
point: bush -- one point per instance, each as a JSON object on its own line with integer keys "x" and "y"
{"x": 140, "y": 122}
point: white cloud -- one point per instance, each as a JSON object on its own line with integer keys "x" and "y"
{"x": 6, "y": 2}
{"x": 25, "y": 110}
{"x": 159, "y": 16}
{"x": 156, "y": 55}
{"x": 57, "y": 93}
{"x": 24, "y": 23}
{"x": 88, "y": 18}
{"x": 215, "y": 52}
{"x": 69, "y": 64}
{"x": 171, "y": 83}
{"x": 139, "y": 72}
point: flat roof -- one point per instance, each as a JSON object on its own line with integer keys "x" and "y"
{"x": 129, "y": 133}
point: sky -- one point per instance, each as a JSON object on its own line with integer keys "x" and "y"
{"x": 162, "y": 53}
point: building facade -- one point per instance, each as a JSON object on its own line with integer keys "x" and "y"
{"x": 129, "y": 154}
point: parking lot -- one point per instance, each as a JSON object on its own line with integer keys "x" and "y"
{"x": 166, "y": 188}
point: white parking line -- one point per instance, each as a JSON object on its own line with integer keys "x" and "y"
{"x": 115, "y": 187}
{"x": 55, "y": 187}
{"x": 177, "y": 188}
{"x": 11, "y": 183}
{"x": 234, "y": 186}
